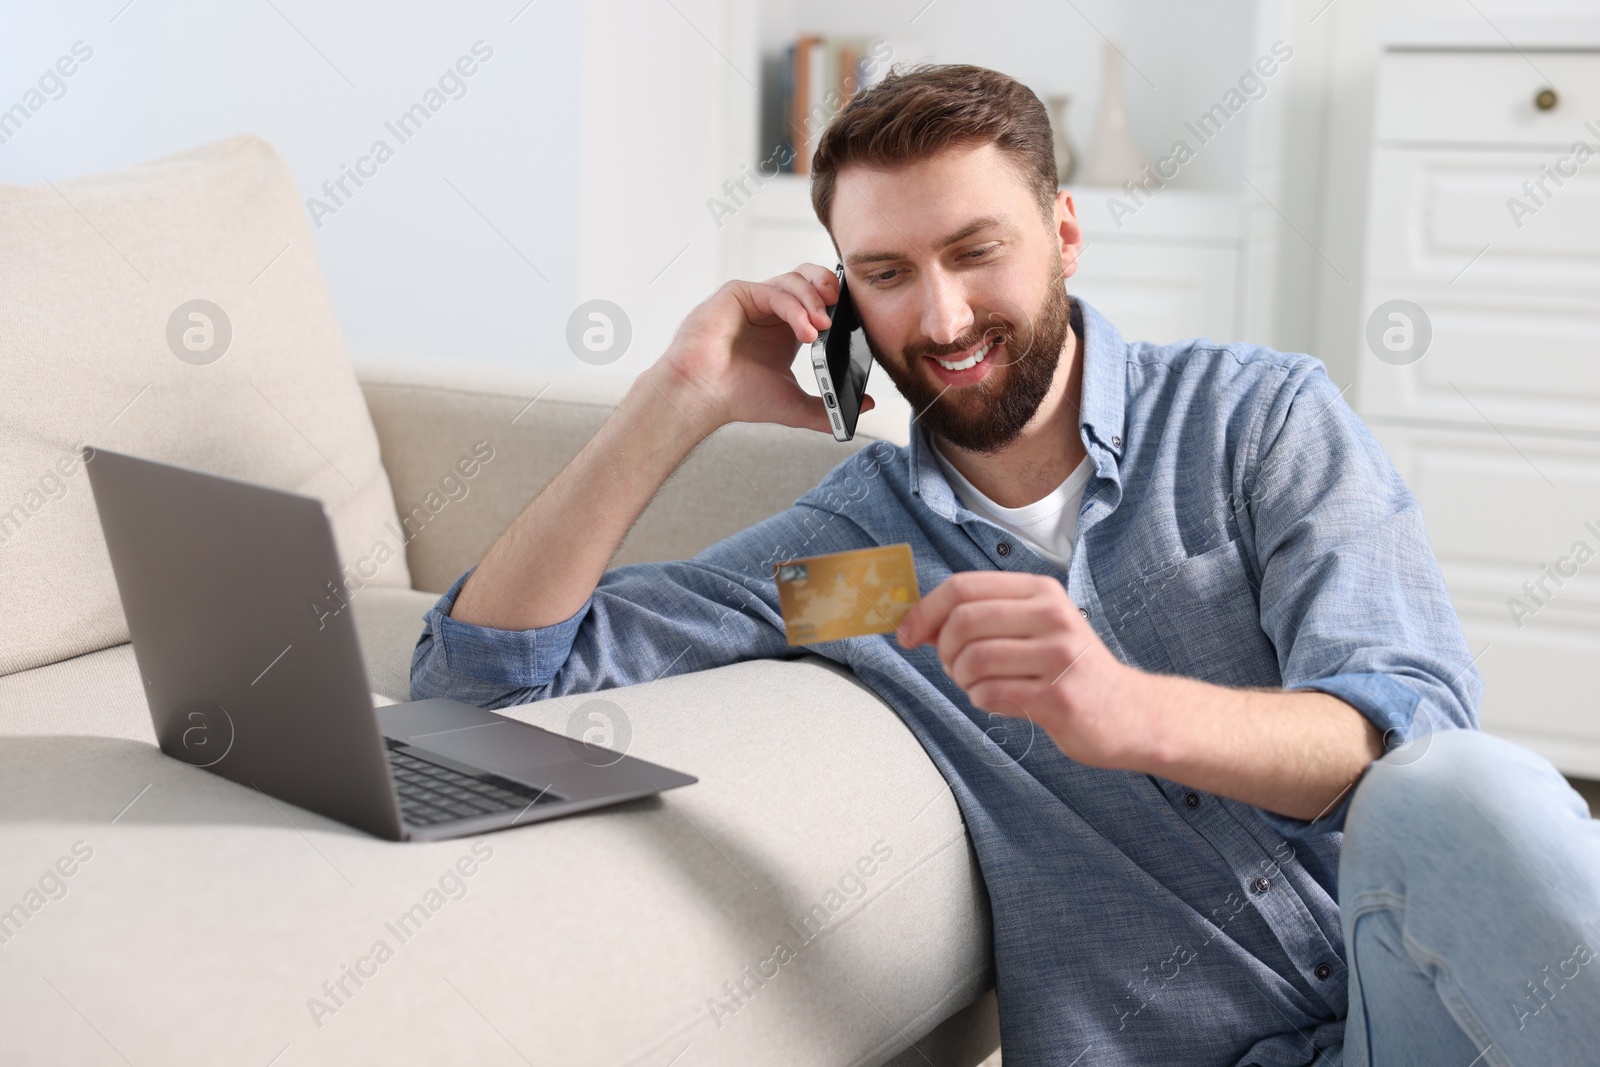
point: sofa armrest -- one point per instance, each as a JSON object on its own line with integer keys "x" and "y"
{"x": 431, "y": 418}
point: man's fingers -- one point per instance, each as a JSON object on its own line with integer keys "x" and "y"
{"x": 1024, "y": 617}
{"x": 780, "y": 302}
{"x": 804, "y": 290}
{"x": 822, "y": 279}
{"x": 1005, "y": 696}
{"x": 1007, "y": 657}
{"x": 923, "y": 622}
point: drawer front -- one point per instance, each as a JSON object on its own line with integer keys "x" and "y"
{"x": 1487, "y": 97}
{"x": 1497, "y": 358}
{"x": 1499, "y": 509}
{"x": 1541, "y": 687}
{"x": 1516, "y": 528}
{"x": 1453, "y": 219}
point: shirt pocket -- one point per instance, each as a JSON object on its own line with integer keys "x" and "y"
{"x": 1203, "y": 619}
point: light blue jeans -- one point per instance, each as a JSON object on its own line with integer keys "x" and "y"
{"x": 1469, "y": 890}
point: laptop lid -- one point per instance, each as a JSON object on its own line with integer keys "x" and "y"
{"x": 225, "y": 584}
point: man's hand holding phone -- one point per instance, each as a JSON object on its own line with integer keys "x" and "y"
{"x": 731, "y": 359}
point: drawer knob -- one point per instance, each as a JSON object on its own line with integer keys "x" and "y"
{"x": 1546, "y": 100}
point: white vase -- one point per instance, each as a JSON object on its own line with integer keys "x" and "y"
{"x": 1066, "y": 155}
{"x": 1114, "y": 157}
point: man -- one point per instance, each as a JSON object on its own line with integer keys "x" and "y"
{"x": 1177, "y": 603}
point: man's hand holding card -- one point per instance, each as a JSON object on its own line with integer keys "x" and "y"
{"x": 1018, "y": 646}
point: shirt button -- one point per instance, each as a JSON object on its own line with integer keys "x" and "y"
{"x": 1084, "y": 612}
{"x": 1261, "y": 885}
{"x": 1322, "y": 972}
{"x": 1192, "y": 799}
{"x": 1116, "y": 442}
{"x": 1003, "y": 548}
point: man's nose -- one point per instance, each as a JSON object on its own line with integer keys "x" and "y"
{"x": 946, "y": 313}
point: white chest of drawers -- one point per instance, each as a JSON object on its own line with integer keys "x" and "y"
{"x": 1484, "y": 215}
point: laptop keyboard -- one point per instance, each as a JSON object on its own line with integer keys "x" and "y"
{"x": 430, "y": 793}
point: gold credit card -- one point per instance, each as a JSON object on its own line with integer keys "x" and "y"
{"x": 846, "y": 594}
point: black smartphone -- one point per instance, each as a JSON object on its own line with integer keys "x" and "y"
{"x": 841, "y": 359}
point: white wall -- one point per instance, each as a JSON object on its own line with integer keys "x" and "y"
{"x": 589, "y": 143}
{"x": 657, "y": 94}
{"x": 412, "y": 266}
{"x": 594, "y": 136}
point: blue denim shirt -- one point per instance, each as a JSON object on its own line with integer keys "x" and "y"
{"x": 1241, "y": 526}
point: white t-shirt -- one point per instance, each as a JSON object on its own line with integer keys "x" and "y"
{"x": 1047, "y": 525}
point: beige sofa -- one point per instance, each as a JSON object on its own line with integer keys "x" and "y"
{"x": 814, "y": 899}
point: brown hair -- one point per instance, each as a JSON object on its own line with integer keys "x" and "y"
{"x": 917, "y": 113}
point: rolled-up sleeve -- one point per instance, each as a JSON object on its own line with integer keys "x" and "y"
{"x": 1351, "y": 594}
{"x": 643, "y": 621}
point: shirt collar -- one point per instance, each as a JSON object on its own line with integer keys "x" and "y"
{"x": 1100, "y": 418}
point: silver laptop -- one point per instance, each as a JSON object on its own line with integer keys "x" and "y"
{"x": 243, "y": 632}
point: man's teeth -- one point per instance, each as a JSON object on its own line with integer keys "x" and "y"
{"x": 971, "y": 361}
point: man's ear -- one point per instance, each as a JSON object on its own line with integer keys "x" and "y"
{"x": 1068, "y": 232}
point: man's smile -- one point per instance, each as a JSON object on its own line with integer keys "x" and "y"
{"x": 972, "y": 365}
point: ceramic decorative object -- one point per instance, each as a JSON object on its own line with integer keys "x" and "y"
{"x": 1066, "y": 155}
{"x": 1114, "y": 158}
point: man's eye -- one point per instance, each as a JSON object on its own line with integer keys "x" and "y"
{"x": 971, "y": 256}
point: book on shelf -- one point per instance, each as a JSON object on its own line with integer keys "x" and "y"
{"x": 818, "y": 77}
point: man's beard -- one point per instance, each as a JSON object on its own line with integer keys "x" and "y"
{"x": 988, "y": 416}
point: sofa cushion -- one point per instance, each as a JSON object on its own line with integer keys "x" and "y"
{"x": 98, "y": 344}
{"x": 202, "y": 916}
